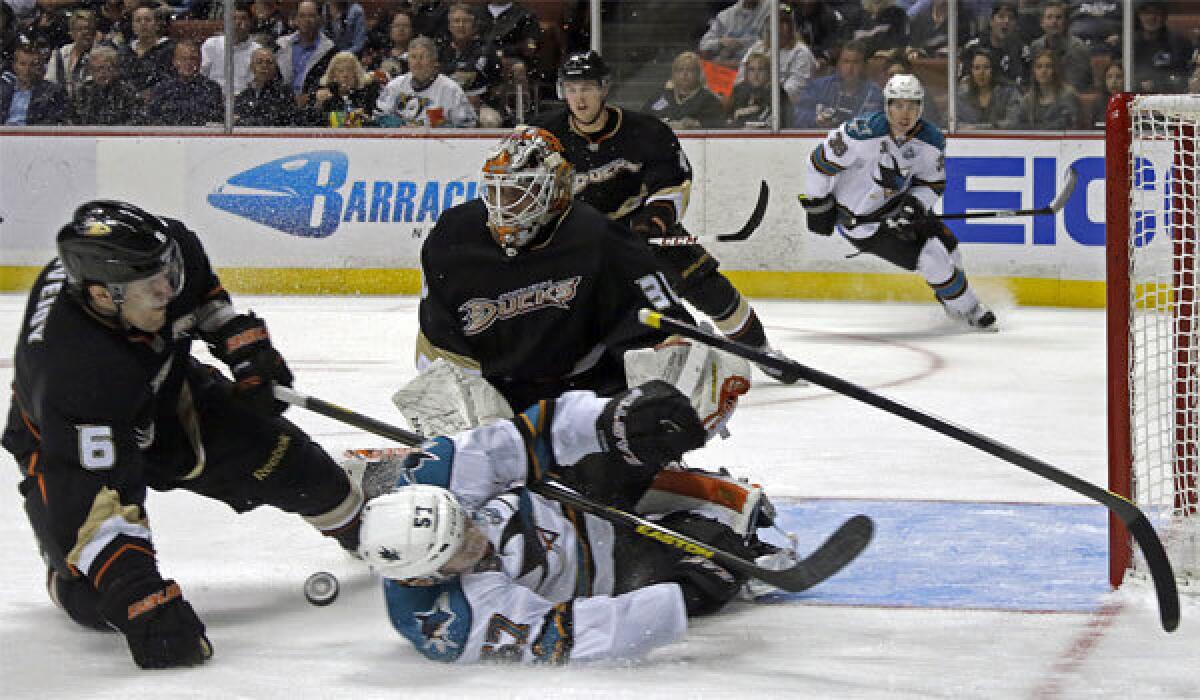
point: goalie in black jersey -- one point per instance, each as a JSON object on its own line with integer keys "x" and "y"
{"x": 631, "y": 167}
{"x": 108, "y": 402}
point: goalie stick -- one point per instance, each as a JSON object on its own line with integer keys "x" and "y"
{"x": 1055, "y": 206}
{"x": 751, "y": 225}
{"x": 1129, "y": 514}
{"x": 842, "y": 547}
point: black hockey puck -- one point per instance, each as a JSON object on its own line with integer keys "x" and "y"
{"x": 321, "y": 588}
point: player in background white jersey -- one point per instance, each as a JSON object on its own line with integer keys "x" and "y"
{"x": 875, "y": 179}
{"x": 477, "y": 567}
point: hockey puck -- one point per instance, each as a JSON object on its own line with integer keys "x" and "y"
{"x": 321, "y": 588}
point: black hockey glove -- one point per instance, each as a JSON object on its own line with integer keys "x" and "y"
{"x": 706, "y": 585}
{"x": 907, "y": 217}
{"x": 160, "y": 626}
{"x": 649, "y": 425}
{"x": 821, "y": 214}
{"x": 653, "y": 220}
{"x": 244, "y": 344}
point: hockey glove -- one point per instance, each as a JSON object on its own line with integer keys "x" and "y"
{"x": 706, "y": 585}
{"x": 649, "y": 425}
{"x": 244, "y": 344}
{"x": 653, "y": 220}
{"x": 160, "y": 626}
{"x": 906, "y": 218}
{"x": 821, "y": 213}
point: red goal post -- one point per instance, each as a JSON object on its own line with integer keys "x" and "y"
{"x": 1152, "y": 212}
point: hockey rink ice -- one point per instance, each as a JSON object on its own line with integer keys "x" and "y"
{"x": 983, "y": 581}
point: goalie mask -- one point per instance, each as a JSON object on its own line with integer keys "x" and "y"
{"x": 412, "y": 532}
{"x": 526, "y": 184}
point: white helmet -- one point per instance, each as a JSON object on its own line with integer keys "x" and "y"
{"x": 529, "y": 163}
{"x": 412, "y": 532}
{"x": 903, "y": 86}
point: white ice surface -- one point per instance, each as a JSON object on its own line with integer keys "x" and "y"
{"x": 1038, "y": 385}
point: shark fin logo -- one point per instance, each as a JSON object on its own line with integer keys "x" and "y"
{"x": 296, "y": 194}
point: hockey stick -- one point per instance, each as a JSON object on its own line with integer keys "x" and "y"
{"x": 842, "y": 547}
{"x": 1132, "y": 516}
{"x": 1053, "y": 208}
{"x": 756, "y": 217}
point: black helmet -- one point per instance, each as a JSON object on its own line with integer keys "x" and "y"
{"x": 114, "y": 243}
{"x": 583, "y": 65}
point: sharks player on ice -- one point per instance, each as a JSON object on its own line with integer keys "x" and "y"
{"x": 876, "y": 179}
{"x": 477, "y": 567}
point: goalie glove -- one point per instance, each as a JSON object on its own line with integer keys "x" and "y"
{"x": 649, "y": 425}
{"x": 821, "y": 213}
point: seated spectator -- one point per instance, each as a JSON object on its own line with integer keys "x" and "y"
{"x": 831, "y": 100}
{"x": 687, "y": 103}
{"x": 1073, "y": 56}
{"x": 305, "y": 54}
{"x": 186, "y": 98}
{"x": 114, "y": 23}
{"x": 881, "y": 26}
{"x": 212, "y": 51}
{"x": 983, "y": 101}
{"x": 1029, "y": 20}
{"x": 392, "y": 57}
{"x": 346, "y": 25}
{"x": 49, "y": 28}
{"x": 267, "y": 22}
{"x": 68, "y": 65}
{"x": 474, "y": 65}
{"x": 796, "y": 61}
{"x": 1160, "y": 56}
{"x": 928, "y": 31}
{"x": 423, "y": 96}
{"x": 346, "y": 95}
{"x": 1010, "y": 57}
{"x": 1114, "y": 82}
{"x": 266, "y": 101}
{"x": 105, "y": 99}
{"x": 1097, "y": 23}
{"x": 148, "y": 56}
{"x": 28, "y": 99}
{"x": 750, "y": 102}
{"x": 733, "y": 31}
{"x": 515, "y": 32}
{"x": 430, "y": 17}
{"x": 1050, "y": 104}
{"x": 821, "y": 27}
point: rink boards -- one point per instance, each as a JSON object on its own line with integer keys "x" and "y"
{"x": 287, "y": 213}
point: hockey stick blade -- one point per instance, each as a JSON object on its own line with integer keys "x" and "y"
{"x": 1134, "y": 519}
{"x": 839, "y": 550}
{"x": 1055, "y": 206}
{"x": 756, "y": 217}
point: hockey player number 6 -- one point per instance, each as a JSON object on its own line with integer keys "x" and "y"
{"x": 96, "y": 450}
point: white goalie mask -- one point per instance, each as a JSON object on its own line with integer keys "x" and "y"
{"x": 526, "y": 183}
{"x": 412, "y": 532}
{"x": 904, "y": 86}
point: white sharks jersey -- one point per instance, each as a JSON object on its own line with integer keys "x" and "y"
{"x": 866, "y": 169}
{"x": 546, "y": 594}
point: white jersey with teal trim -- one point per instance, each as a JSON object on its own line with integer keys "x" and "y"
{"x": 546, "y": 594}
{"x": 866, "y": 169}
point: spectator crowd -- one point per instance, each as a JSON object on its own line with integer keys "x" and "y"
{"x": 1025, "y": 64}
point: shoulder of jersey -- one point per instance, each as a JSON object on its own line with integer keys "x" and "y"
{"x": 931, "y": 135}
{"x": 868, "y": 126}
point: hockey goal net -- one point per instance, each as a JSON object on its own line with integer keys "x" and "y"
{"x": 1153, "y": 236}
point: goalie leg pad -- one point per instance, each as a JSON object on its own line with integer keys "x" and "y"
{"x": 445, "y": 399}
{"x": 737, "y": 504}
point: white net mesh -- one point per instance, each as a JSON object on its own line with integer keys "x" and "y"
{"x": 1164, "y": 335}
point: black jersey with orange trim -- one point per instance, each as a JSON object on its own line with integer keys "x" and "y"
{"x": 557, "y": 316}
{"x": 633, "y": 160}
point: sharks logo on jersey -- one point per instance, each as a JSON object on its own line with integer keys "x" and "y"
{"x": 891, "y": 176}
{"x": 430, "y": 464}
{"x": 435, "y": 625}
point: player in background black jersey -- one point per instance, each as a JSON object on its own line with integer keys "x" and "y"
{"x": 631, "y": 167}
{"x": 108, "y": 401}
